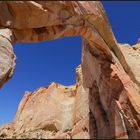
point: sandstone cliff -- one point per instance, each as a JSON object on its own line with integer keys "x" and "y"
{"x": 132, "y": 63}
{"x": 104, "y": 103}
{"x": 55, "y": 111}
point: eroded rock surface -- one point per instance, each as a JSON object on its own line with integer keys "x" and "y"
{"x": 104, "y": 103}
{"x": 52, "y": 112}
{"x": 7, "y": 57}
{"x": 132, "y": 64}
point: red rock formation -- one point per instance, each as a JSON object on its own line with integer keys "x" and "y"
{"x": 56, "y": 108}
{"x": 113, "y": 89}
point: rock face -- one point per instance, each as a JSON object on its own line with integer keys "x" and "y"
{"x": 51, "y": 112}
{"x": 132, "y": 64}
{"x": 104, "y": 103}
{"x": 7, "y": 57}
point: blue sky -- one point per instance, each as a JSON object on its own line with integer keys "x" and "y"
{"x": 38, "y": 64}
{"x": 124, "y": 19}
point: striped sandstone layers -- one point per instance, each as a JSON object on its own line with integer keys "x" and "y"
{"x": 108, "y": 78}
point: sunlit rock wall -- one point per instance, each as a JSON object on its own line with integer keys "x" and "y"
{"x": 113, "y": 89}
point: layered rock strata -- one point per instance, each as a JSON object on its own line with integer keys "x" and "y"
{"x": 108, "y": 78}
{"x": 132, "y": 63}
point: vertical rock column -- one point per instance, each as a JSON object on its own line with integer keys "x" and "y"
{"x": 7, "y": 56}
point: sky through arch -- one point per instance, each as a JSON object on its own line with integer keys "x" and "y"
{"x": 38, "y": 64}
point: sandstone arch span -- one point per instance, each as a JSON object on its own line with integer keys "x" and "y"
{"x": 113, "y": 96}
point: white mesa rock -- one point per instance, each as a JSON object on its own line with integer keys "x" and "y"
{"x": 66, "y": 114}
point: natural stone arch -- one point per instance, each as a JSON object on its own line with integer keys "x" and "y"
{"x": 111, "y": 91}
{"x": 80, "y": 22}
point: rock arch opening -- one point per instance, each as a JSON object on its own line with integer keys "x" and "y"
{"x": 113, "y": 95}
{"x": 37, "y": 65}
